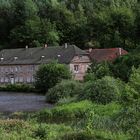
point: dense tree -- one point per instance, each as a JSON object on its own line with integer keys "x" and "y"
{"x": 86, "y": 23}
{"x": 49, "y": 75}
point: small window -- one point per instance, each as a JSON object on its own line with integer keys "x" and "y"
{"x": 2, "y": 79}
{"x": 76, "y": 68}
{"x": 20, "y": 79}
{"x": 28, "y": 79}
{"x": 6, "y": 79}
{"x": 16, "y": 79}
{"x": 16, "y": 69}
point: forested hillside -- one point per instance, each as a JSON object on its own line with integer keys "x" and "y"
{"x": 85, "y": 23}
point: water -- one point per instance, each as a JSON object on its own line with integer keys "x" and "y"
{"x": 22, "y": 102}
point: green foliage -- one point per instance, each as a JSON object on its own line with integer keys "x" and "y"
{"x": 66, "y": 112}
{"x": 18, "y": 88}
{"x": 96, "y": 135}
{"x": 122, "y": 67}
{"x": 83, "y": 23}
{"x": 49, "y": 75}
{"x": 98, "y": 70}
{"x": 134, "y": 80}
{"x": 103, "y": 90}
{"x": 129, "y": 120}
{"x": 13, "y": 124}
{"x": 63, "y": 90}
{"x": 40, "y": 132}
{"x": 132, "y": 89}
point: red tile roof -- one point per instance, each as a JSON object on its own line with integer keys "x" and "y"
{"x": 108, "y": 54}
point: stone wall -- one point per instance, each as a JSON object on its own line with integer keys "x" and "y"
{"x": 17, "y": 73}
{"x": 79, "y": 66}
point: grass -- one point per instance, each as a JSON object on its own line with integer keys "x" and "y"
{"x": 82, "y": 120}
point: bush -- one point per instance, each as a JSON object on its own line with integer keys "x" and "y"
{"x": 13, "y": 124}
{"x": 95, "y": 135}
{"x": 122, "y": 67}
{"x": 132, "y": 88}
{"x": 18, "y": 88}
{"x": 65, "y": 112}
{"x": 55, "y": 131}
{"x": 65, "y": 89}
{"x": 49, "y": 75}
{"x": 128, "y": 120}
{"x": 99, "y": 70}
{"x": 103, "y": 90}
{"x": 134, "y": 80}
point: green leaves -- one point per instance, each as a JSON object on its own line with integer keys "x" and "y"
{"x": 49, "y": 75}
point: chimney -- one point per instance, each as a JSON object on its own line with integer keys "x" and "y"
{"x": 46, "y": 45}
{"x": 120, "y": 51}
{"x": 66, "y": 45}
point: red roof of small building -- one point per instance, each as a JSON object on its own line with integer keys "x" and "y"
{"x": 109, "y": 54}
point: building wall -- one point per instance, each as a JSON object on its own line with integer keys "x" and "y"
{"x": 25, "y": 73}
{"x": 79, "y": 66}
{"x": 17, "y": 73}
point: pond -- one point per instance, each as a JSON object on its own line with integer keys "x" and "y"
{"x": 22, "y": 102}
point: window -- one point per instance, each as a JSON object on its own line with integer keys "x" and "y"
{"x": 11, "y": 69}
{"x": 2, "y": 80}
{"x": 6, "y": 79}
{"x": 76, "y": 68}
{"x": 28, "y": 79}
{"x": 16, "y": 69}
{"x": 20, "y": 79}
{"x": 16, "y": 79}
{"x": 2, "y": 69}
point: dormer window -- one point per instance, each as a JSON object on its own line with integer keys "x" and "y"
{"x": 15, "y": 58}
{"x": 1, "y": 58}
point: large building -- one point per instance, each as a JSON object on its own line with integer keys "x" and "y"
{"x": 20, "y": 65}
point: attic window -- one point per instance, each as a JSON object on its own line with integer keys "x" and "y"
{"x": 42, "y": 56}
{"x": 1, "y": 58}
{"x": 15, "y": 58}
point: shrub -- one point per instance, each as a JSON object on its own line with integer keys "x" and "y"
{"x": 95, "y": 135}
{"x": 65, "y": 112}
{"x": 107, "y": 110}
{"x": 89, "y": 77}
{"x": 99, "y": 70}
{"x": 122, "y": 67}
{"x": 128, "y": 120}
{"x": 55, "y": 131}
{"x": 49, "y": 75}
{"x": 103, "y": 90}
{"x": 134, "y": 80}
{"x": 63, "y": 90}
{"x": 18, "y": 88}
{"x": 40, "y": 132}
{"x": 13, "y": 124}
